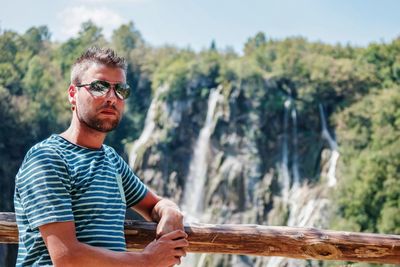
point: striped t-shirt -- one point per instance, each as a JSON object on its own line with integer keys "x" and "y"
{"x": 59, "y": 181}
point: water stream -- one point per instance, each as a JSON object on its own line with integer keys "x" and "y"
{"x": 149, "y": 127}
{"x": 194, "y": 188}
{"x": 284, "y": 172}
{"x": 333, "y": 147}
{"x": 305, "y": 204}
{"x": 192, "y": 204}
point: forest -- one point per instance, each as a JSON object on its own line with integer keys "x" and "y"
{"x": 268, "y": 118}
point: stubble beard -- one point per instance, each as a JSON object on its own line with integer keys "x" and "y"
{"x": 101, "y": 125}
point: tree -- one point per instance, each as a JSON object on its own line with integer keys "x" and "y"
{"x": 369, "y": 133}
{"x": 9, "y": 71}
{"x": 126, "y": 38}
{"x": 255, "y": 42}
{"x": 68, "y": 52}
{"x": 34, "y": 38}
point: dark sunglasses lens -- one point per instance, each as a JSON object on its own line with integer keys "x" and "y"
{"x": 123, "y": 90}
{"x": 99, "y": 88}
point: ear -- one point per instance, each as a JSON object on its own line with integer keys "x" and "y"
{"x": 72, "y": 90}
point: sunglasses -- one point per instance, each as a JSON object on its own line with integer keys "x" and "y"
{"x": 101, "y": 88}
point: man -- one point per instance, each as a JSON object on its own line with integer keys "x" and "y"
{"x": 72, "y": 191}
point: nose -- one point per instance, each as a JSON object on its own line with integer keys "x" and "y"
{"x": 111, "y": 94}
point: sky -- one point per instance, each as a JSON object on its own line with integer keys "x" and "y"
{"x": 195, "y": 23}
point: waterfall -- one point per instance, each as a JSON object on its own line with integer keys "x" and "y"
{"x": 305, "y": 204}
{"x": 306, "y": 207}
{"x": 193, "y": 192}
{"x": 289, "y": 106}
{"x": 149, "y": 127}
{"x": 333, "y": 147}
{"x": 285, "y": 176}
{"x": 192, "y": 205}
{"x": 295, "y": 156}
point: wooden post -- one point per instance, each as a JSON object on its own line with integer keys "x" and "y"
{"x": 292, "y": 242}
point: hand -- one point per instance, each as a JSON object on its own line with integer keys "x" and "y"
{"x": 167, "y": 250}
{"x": 171, "y": 220}
{"x": 168, "y": 216}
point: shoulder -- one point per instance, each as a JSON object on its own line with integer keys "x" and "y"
{"x": 116, "y": 159}
{"x": 42, "y": 156}
{"x": 43, "y": 153}
{"x": 111, "y": 153}
{"x": 46, "y": 148}
{"x": 109, "y": 149}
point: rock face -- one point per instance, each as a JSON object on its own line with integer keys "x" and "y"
{"x": 233, "y": 155}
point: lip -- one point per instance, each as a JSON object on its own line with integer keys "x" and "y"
{"x": 108, "y": 112}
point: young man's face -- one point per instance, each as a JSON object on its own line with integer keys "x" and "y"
{"x": 101, "y": 113}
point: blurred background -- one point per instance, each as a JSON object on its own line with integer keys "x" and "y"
{"x": 261, "y": 112}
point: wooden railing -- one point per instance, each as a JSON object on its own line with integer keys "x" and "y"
{"x": 299, "y": 243}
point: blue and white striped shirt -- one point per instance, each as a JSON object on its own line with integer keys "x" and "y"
{"x": 59, "y": 181}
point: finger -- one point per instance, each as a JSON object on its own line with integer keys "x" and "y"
{"x": 177, "y": 234}
{"x": 174, "y": 261}
{"x": 180, "y": 243}
{"x": 180, "y": 252}
{"x": 161, "y": 231}
{"x": 185, "y": 237}
{"x": 178, "y": 262}
{"x": 159, "y": 235}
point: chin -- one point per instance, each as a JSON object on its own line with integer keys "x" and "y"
{"x": 105, "y": 126}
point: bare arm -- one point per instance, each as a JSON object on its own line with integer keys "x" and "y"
{"x": 66, "y": 250}
{"x": 146, "y": 205}
{"x": 161, "y": 210}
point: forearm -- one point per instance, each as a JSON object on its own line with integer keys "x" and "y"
{"x": 66, "y": 250}
{"x": 162, "y": 207}
{"x": 163, "y": 211}
{"x": 85, "y": 255}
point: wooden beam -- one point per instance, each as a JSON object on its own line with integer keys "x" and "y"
{"x": 8, "y": 228}
{"x": 291, "y": 242}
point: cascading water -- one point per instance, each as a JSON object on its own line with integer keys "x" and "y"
{"x": 149, "y": 127}
{"x": 196, "y": 179}
{"x": 146, "y": 133}
{"x": 295, "y": 155}
{"x": 192, "y": 205}
{"x": 289, "y": 106}
{"x": 284, "y": 170}
{"x": 287, "y": 192}
{"x": 305, "y": 204}
{"x": 333, "y": 147}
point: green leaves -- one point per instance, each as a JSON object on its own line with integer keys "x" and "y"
{"x": 358, "y": 86}
{"x": 126, "y": 38}
{"x": 369, "y": 136}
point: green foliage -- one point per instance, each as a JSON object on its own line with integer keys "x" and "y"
{"x": 254, "y": 43}
{"x": 126, "y": 38}
{"x": 9, "y": 71}
{"x": 386, "y": 59}
{"x": 369, "y": 134}
{"x": 359, "y": 85}
{"x": 187, "y": 74}
{"x": 34, "y": 38}
{"x": 69, "y": 51}
{"x": 15, "y": 135}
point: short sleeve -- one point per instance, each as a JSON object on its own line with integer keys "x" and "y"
{"x": 134, "y": 188}
{"x": 42, "y": 185}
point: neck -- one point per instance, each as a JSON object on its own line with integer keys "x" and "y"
{"x": 80, "y": 134}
